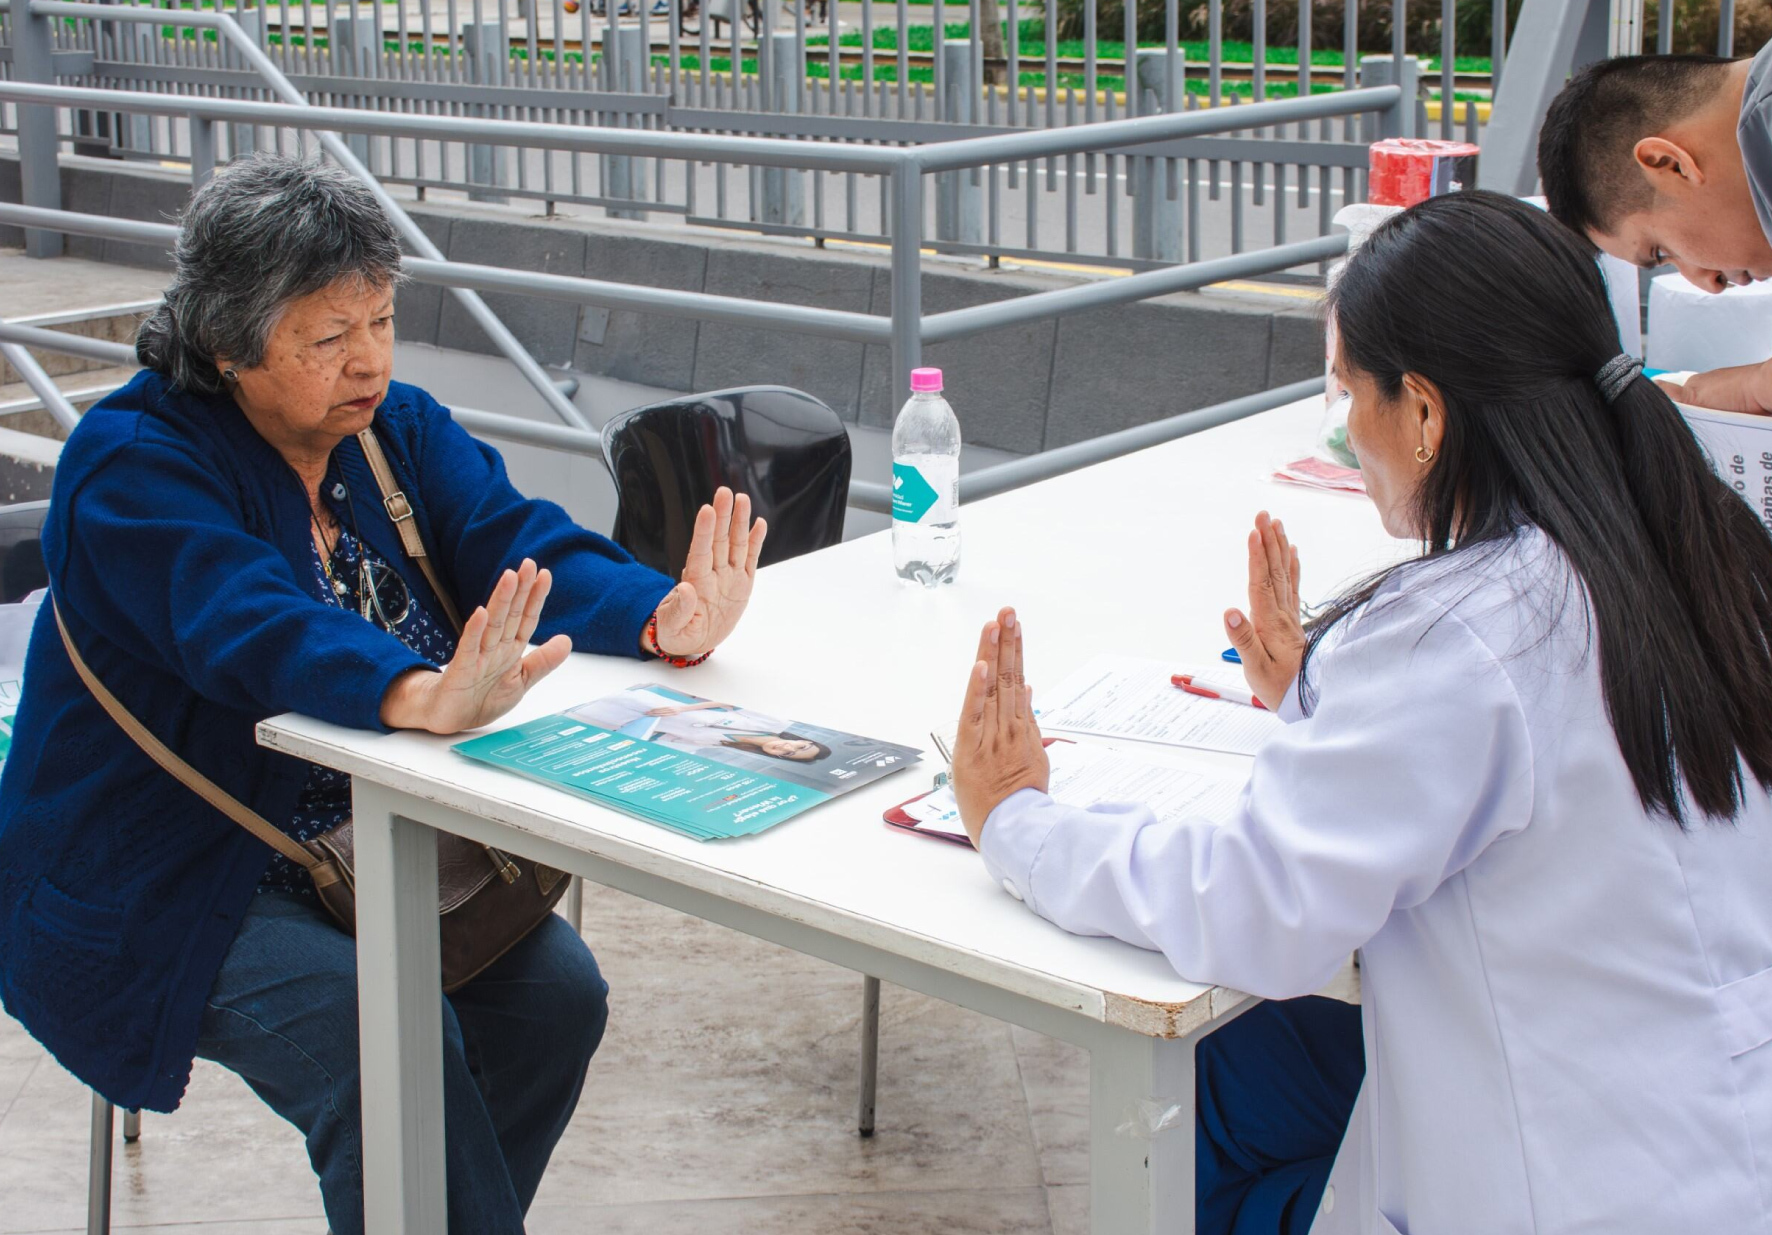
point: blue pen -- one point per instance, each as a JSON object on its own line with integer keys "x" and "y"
{"x": 1230, "y": 654}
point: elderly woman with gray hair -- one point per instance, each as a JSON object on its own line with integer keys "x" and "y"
{"x": 219, "y": 551}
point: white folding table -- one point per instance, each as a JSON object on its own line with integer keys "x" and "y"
{"x": 1140, "y": 555}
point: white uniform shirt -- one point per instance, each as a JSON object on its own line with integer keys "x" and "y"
{"x": 697, "y": 727}
{"x": 1567, "y": 1004}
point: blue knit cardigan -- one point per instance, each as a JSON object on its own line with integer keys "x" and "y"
{"x": 175, "y": 544}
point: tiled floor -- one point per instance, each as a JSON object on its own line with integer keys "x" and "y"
{"x": 723, "y": 1100}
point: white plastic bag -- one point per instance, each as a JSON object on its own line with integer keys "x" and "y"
{"x": 15, "y": 636}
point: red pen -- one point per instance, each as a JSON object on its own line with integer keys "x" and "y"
{"x": 1231, "y": 694}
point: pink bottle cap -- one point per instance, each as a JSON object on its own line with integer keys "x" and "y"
{"x": 925, "y": 379}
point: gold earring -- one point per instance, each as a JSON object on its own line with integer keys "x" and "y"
{"x": 1424, "y": 453}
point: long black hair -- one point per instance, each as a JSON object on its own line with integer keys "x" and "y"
{"x": 1505, "y": 311}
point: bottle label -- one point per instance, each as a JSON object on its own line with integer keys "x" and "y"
{"x": 927, "y": 491}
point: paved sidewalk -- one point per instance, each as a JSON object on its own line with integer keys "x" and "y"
{"x": 723, "y": 1100}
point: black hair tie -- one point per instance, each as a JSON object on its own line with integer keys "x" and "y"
{"x": 1616, "y": 374}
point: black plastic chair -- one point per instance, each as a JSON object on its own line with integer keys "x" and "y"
{"x": 785, "y": 449}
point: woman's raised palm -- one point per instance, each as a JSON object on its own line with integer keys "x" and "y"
{"x": 493, "y": 666}
{"x": 701, "y": 611}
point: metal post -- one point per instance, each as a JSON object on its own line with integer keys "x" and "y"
{"x": 784, "y": 189}
{"x": 132, "y": 1127}
{"x": 400, "y": 1018}
{"x": 488, "y": 56}
{"x": 1156, "y": 216}
{"x": 38, "y": 143}
{"x": 134, "y": 132}
{"x": 959, "y": 198}
{"x": 98, "y": 1170}
{"x": 623, "y": 175}
{"x": 1397, "y": 121}
{"x": 575, "y": 905}
{"x": 1726, "y": 28}
{"x": 1552, "y": 39}
{"x": 352, "y": 39}
{"x": 202, "y": 152}
{"x": 870, "y": 1053}
{"x": 1627, "y": 25}
{"x": 907, "y": 274}
{"x": 242, "y": 138}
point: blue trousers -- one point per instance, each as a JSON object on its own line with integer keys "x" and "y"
{"x": 516, "y": 1042}
{"x": 1274, "y": 1088}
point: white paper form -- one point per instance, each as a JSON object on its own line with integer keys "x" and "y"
{"x": 1125, "y": 697}
{"x": 1088, "y": 775}
{"x": 1739, "y": 448}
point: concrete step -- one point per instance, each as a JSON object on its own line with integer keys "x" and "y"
{"x": 113, "y": 323}
{"x": 22, "y": 411}
{"x": 94, "y": 299}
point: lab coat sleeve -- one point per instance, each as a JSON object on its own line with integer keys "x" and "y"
{"x": 1415, "y": 759}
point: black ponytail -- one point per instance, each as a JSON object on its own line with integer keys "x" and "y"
{"x": 1506, "y": 313}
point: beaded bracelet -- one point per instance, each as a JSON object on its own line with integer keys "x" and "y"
{"x": 679, "y": 662}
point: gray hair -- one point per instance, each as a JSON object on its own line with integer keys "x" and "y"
{"x": 266, "y": 231}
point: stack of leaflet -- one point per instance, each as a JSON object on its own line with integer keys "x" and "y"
{"x": 1315, "y": 473}
{"x": 709, "y": 770}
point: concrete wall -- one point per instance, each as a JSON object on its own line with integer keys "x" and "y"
{"x": 1030, "y": 388}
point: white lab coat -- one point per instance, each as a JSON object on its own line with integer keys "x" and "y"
{"x": 701, "y": 727}
{"x": 1567, "y": 1004}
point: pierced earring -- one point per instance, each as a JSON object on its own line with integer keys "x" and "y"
{"x": 1424, "y": 453}
{"x": 232, "y": 375}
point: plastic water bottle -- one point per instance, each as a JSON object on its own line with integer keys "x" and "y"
{"x": 926, "y": 484}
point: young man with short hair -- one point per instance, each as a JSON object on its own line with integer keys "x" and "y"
{"x": 1667, "y": 160}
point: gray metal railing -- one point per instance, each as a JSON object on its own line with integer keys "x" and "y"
{"x": 902, "y": 168}
{"x": 1199, "y": 198}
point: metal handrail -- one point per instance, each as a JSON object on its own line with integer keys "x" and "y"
{"x": 1001, "y": 477}
{"x": 491, "y": 424}
{"x": 863, "y": 494}
{"x": 84, "y": 346}
{"x": 1118, "y": 136}
{"x": 705, "y": 306}
{"x": 42, "y": 385}
{"x": 959, "y": 323}
{"x": 585, "y": 139}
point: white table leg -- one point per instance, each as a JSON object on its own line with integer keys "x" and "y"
{"x": 1142, "y": 1184}
{"x": 399, "y": 1008}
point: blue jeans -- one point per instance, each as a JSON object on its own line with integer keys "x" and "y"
{"x": 516, "y": 1042}
{"x": 1274, "y": 1091}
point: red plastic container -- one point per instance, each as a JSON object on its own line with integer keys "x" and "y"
{"x": 1406, "y": 170}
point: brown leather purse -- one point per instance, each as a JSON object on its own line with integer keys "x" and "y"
{"x": 487, "y": 901}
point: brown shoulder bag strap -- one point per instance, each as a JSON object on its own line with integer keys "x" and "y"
{"x": 400, "y": 511}
{"x": 189, "y": 776}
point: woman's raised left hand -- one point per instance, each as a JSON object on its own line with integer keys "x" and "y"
{"x": 701, "y": 611}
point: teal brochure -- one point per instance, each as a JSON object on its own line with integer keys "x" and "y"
{"x": 707, "y": 769}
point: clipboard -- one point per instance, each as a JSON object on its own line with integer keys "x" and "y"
{"x": 898, "y": 817}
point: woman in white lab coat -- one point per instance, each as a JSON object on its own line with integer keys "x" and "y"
{"x": 1525, "y": 775}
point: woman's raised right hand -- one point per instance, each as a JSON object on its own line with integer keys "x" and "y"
{"x": 492, "y": 668}
{"x": 1270, "y": 637}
